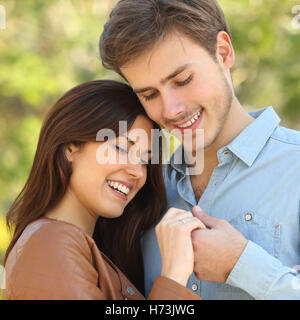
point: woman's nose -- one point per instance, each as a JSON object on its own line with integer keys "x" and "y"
{"x": 136, "y": 170}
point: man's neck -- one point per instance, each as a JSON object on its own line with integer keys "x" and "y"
{"x": 238, "y": 119}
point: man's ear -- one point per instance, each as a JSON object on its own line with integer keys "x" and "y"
{"x": 70, "y": 151}
{"x": 225, "y": 52}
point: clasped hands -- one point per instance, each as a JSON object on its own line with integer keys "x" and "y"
{"x": 217, "y": 248}
{"x": 206, "y": 245}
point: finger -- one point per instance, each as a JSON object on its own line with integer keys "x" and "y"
{"x": 171, "y": 213}
{"x": 196, "y": 210}
{"x": 192, "y": 221}
{"x": 209, "y": 221}
{"x": 183, "y": 218}
{"x": 183, "y": 214}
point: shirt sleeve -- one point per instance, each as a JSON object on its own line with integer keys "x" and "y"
{"x": 55, "y": 265}
{"x": 168, "y": 289}
{"x": 263, "y": 276}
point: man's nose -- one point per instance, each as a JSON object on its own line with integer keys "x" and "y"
{"x": 173, "y": 106}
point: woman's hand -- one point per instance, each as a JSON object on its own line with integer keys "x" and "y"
{"x": 175, "y": 244}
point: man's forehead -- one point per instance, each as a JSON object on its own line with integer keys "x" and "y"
{"x": 160, "y": 61}
{"x": 172, "y": 47}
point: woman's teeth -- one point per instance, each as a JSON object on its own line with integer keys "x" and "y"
{"x": 190, "y": 122}
{"x": 118, "y": 186}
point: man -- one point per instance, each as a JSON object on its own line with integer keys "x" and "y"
{"x": 177, "y": 56}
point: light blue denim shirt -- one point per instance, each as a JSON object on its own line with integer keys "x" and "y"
{"x": 256, "y": 187}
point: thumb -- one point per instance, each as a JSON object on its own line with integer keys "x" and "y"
{"x": 209, "y": 221}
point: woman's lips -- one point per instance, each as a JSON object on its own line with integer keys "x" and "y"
{"x": 118, "y": 194}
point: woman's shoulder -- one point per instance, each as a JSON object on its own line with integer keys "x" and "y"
{"x": 49, "y": 246}
{"x": 52, "y": 260}
{"x": 47, "y": 229}
{"x": 52, "y": 236}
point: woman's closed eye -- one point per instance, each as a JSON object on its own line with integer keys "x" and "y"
{"x": 144, "y": 162}
{"x": 120, "y": 149}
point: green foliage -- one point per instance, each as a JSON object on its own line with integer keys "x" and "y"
{"x": 50, "y": 46}
{"x": 267, "y": 55}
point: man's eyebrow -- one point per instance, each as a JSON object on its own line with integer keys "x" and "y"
{"x": 175, "y": 73}
{"x": 166, "y": 79}
{"x": 142, "y": 90}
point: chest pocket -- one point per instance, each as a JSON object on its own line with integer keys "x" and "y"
{"x": 259, "y": 229}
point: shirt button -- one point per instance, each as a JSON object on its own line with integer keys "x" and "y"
{"x": 194, "y": 287}
{"x": 248, "y": 217}
{"x": 130, "y": 290}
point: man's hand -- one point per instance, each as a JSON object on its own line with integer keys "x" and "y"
{"x": 216, "y": 248}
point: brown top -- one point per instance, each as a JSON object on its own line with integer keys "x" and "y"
{"x": 57, "y": 260}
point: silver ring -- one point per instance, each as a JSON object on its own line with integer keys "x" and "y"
{"x": 182, "y": 220}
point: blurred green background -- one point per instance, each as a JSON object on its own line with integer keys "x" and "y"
{"x": 50, "y": 46}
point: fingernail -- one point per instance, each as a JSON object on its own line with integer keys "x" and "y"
{"x": 198, "y": 209}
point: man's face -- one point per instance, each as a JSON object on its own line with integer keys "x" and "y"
{"x": 182, "y": 87}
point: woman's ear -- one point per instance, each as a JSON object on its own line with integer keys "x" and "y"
{"x": 70, "y": 151}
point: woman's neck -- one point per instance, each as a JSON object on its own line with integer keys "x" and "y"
{"x": 70, "y": 210}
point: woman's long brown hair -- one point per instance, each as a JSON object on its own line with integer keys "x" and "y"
{"x": 76, "y": 118}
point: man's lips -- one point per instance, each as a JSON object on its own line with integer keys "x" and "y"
{"x": 190, "y": 123}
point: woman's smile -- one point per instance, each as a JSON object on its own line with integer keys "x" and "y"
{"x": 120, "y": 189}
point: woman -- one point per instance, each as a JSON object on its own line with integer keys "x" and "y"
{"x": 72, "y": 193}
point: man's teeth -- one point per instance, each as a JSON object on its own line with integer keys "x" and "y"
{"x": 118, "y": 186}
{"x": 190, "y": 122}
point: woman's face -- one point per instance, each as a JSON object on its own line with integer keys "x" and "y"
{"x": 104, "y": 189}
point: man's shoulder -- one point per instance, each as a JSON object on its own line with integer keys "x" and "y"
{"x": 287, "y": 136}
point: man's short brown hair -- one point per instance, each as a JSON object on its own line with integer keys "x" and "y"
{"x": 136, "y": 25}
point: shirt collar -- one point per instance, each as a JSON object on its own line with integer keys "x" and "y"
{"x": 178, "y": 153}
{"x": 249, "y": 143}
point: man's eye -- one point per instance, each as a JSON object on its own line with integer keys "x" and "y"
{"x": 185, "y": 82}
{"x": 150, "y": 96}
